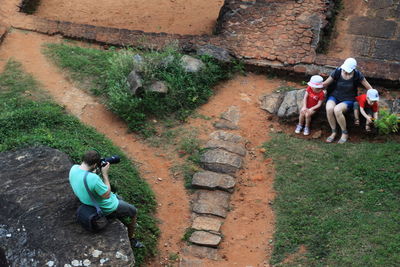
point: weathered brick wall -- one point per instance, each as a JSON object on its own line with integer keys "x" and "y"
{"x": 266, "y": 33}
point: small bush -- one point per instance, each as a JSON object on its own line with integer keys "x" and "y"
{"x": 387, "y": 123}
{"x": 186, "y": 91}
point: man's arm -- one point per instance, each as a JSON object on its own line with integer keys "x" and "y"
{"x": 106, "y": 181}
{"x": 327, "y": 82}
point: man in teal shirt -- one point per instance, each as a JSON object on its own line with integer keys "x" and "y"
{"x": 110, "y": 204}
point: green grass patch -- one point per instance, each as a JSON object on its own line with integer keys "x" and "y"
{"x": 342, "y": 202}
{"x": 37, "y": 121}
{"x": 107, "y": 72}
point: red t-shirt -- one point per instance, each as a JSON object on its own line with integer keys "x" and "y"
{"x": 313, "y": 97}
{"x": 362, "y": 101}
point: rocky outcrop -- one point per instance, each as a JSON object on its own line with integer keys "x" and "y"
{"x": 287, "y": 105}
{"x": 37, "y": 218}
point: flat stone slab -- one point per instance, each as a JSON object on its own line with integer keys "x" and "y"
{"x": 213, "y": 180}
{"x": 232, "y": 115}
{"x": 211, "y": 202}
{"x": 225, "y": 136}
{"x": 201, "y": 252}
{"x": 207, "y": 224}
{"x": 219, "y": 160}
{"x": 228, "y": 146}
{"x": 225, "y": 124}
{"x": 185, "y": 262}
{"x": 373, "y": 27}
{"x": 204, "y": 238}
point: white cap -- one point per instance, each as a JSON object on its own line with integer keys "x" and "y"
{"x": 373, "y": 95}
{"x": 316, "y": 81}
{"x": 349, "y": 65}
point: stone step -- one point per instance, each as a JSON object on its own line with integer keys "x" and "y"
{"x": 207, "y": 224}
{"x": 212, "y": 180}
{"x": 222, "y": 161}
{"x": 228, "y": 146}
{"x": 225, "y": 136}
{"x": 211, "y": 202}
{"x": 201, "y": 252}
{"x": 204, "y": 238}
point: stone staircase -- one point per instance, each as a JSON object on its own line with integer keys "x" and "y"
{"x": 223, "y": 157}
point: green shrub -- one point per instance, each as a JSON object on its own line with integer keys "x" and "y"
{"x": 387, "y": 123}
{"x": 186, "y": 91}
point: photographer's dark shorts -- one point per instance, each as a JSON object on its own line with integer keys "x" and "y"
{"x": 124, "y": 209}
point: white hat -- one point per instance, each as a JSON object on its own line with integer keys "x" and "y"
{"x": 316, "y": 81}
{"x": 349, "y": 65}
{"x": 373, "y": 95}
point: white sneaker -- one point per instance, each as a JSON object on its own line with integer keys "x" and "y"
{"x": 298, "y": 128}
{"x": 306, "y": 131}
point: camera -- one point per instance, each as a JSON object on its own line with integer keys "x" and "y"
{"x": 112, "y": 160}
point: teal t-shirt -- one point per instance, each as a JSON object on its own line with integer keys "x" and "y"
{"x": 96, "y": 186}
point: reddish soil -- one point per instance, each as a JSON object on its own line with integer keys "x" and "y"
{"x": 249, "y": 225}
{"x": 170, "y": 16}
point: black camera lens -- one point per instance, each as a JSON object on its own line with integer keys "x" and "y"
{"x": 112, "y": 160}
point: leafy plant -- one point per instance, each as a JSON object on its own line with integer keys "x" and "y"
{"x": 387, "y": 123}
{"x": 107, "y": 72}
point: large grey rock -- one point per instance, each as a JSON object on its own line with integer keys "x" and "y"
{"x": 201, "y": 252}
{"x": 158, "y": 87}
{"x": 225, "y": 136}
{"x": 271, "y": 102}
{"x": 213, "y": 180}
{"x": 211, "y": 202}
{"x": 206, "y": 224}
{"x": 204, "y": 238}
{"x": 37, "y": 216}
{"x": 191, "y": 64}
{"x": 219, "y": 160}
{"x": 216, "y": 52}
{"x": 134, "y": 82}
{"x": 291, "y": 104}
{"x": 228, "y": 146}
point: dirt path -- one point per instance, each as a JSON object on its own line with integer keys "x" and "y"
{"x": 249, "y": 225}
{"x": 171, "y": 16}
{"x": 171, "y": 195}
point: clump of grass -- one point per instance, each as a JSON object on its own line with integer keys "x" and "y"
{"x": 340, "y": 202}
{"x": 30, "y": 122}
{"x": 186, "y": 91}
{"x": 188, "y": 234}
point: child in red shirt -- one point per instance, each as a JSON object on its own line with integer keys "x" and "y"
{"x": 367, "y": 104}
{"x": 312, "y": 101}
